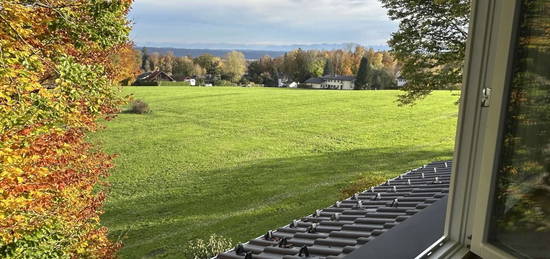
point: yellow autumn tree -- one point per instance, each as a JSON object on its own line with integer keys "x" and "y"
{"x": 57, "y": 79}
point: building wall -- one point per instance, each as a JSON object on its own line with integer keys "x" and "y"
{"x": 401, "y": 82}
{"x": 334, "y": 84}
{"x": 338, "y": 85}
{"x": 348, "y": 85}
{"x": 192, "y": 82}
{"x": 315, "y": 86}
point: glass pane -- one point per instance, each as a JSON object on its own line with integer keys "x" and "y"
{"x": 520, "y": 221}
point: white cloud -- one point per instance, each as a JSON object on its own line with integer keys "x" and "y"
{"x": 287, "y": 20}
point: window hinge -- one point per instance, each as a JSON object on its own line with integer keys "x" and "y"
{"x": 486, "y": 97}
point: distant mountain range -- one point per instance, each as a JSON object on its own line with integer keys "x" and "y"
{"x": 249, "y": 54}
{"x": 251, "y": 51}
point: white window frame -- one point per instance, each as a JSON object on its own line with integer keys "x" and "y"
{"x": 488, "y": 65}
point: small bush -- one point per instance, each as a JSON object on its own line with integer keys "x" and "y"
{"x": 224, "y": 83}
{"x": 252, "y": 84}
{"x": 206, "y": 249}
{"x": 361, "y": 184}
{"x": 140, "y": 107}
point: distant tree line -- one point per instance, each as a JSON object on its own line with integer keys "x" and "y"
{"x": 231, "y": 68}
{"x": 380, "y": 67}
{"x": 300, "y": 65}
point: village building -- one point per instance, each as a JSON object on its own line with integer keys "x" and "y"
{"x": 331, "y": 82}
{"x": 191, "y": 81}
{"x": 400, "y": 81}
{"x": 293, "y": 85}
{"x": 153, "y": 78}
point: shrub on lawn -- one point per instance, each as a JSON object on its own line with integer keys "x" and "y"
{"x": 252, "y": 84}
{"x": 224, "y": 83}
{"x": 361, "y": 184}
{"x": 140, "y": 107}
{"x": 205, "y": 249}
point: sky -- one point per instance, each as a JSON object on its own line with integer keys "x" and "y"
{"x": 273, "y": 22}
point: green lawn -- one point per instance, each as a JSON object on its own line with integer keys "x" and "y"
{"x": 241, "y": 161}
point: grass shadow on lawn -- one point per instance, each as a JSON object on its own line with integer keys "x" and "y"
{"x": 244, "y": 202}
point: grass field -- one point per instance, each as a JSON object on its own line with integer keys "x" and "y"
{"x": 241, "y": 161}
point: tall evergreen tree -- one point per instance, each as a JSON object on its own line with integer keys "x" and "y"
{"x": 363, "y": 74}
{"x": 274, "y": 77}
{"x": 329, "y": 68}
{"x": 144, "y": 60}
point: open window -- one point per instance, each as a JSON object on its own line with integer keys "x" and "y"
{"x": 499, "y": 204}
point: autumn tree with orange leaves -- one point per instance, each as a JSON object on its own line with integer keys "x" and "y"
{"x": 57, "y": 79}
{"x": 128, "y": 62}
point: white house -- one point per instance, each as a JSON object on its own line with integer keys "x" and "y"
{"x": 280, "y": 82}
{"x": 400, "y": 80}
{"x": 191, "y": 81}
{"x": 293, "y": 85}
{"x": 332, "y": 82}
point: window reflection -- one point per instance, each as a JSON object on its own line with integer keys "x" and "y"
{"x": 520, "y": 222}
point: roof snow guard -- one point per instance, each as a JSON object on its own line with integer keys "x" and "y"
{"x": 397, "y": 219}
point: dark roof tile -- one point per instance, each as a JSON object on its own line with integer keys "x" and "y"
{"x": 320, "y": 80}
{"x": 346, "y": 226}
{"x": 314, "y": 80}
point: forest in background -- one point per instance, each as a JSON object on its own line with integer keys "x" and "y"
{"x": 294, "y": 66}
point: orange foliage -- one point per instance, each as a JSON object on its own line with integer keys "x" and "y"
{"x": 57, "y": 79}
{"x": 126, "y": 64}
